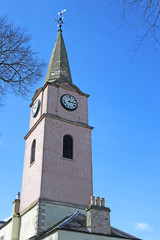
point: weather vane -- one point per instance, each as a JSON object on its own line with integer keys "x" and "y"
{"x": 60, "y": 20}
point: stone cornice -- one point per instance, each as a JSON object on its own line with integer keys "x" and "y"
{"x": 46, "y": 200}
{"x": 72, "y": 205}
{"x": 80, "y": 124}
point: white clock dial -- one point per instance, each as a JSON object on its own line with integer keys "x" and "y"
{"x": 69, "y": 102}
{"x": 35, "y": 108}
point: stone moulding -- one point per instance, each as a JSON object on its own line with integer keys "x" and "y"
{"x": 80, "y": 124}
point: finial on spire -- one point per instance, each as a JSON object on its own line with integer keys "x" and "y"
{"x": 60, "y": 20}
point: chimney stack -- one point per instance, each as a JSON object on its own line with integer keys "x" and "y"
{"x": 97, "y": 201}
{"x": 98, "y": 216}
{"x": 16, "y": 204}
{"x": 92, "y": 200}
{"x": 16, "y": 220}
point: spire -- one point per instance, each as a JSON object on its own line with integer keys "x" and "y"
{"x": 58, "y": 69}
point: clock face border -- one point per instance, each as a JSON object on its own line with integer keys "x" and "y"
{"x": 69, "y": 109}
{"x": 37, "y": 110}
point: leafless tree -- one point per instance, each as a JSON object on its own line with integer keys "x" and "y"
{"x": 20, "y": 68}
{"x": 149, "y": 16}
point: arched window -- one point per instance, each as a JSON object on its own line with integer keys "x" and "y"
{"x": 33, "y": 150}
{"x": 68, "y": 147}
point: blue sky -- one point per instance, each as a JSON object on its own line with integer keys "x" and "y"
{"x": 123, "y": 107}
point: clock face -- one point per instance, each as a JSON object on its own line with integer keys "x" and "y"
{"x": 35, "y": 108}
{"x": 69, "y": 102}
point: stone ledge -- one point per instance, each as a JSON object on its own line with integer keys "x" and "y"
{"x": 80, "y": 124}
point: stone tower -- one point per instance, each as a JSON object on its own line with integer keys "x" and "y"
{"x": 58, "y": 161}
{"x": 57, "y": 174}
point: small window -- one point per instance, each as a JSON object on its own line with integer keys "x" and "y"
{"x": 33, "y": 150}
{"x": 68, "y": 147}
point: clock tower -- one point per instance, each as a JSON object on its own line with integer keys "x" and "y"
{"x": 57, "y": 174}
{"x": 58, "y": 162}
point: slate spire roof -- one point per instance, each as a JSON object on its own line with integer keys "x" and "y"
{"x": 58, "y": 69}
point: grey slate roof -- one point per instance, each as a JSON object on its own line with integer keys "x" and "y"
{"x": 77, "y": 223}
{"x": 1, "y": 223}
{"x": 58, "y": 69}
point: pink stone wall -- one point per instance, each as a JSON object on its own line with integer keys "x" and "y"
{"x": 63, "y": 179}
{"x": 54, "y": 106}
{"x": 52, "y": 176}
{"x": 31, "y": 182}
{"x": 50, "y": 103}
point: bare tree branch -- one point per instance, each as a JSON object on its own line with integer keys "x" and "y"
{"x": 20, "y": 67}
{"x": 149, "y": 12}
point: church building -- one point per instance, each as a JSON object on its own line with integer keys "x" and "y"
{"x": 57, "y": 201}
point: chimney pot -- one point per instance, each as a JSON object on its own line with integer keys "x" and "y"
{"x": 102, "y": 202}
{"x": 92, "y": 200}
{"x": 97, "y": 201}
{"x": 18, "y": 195}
